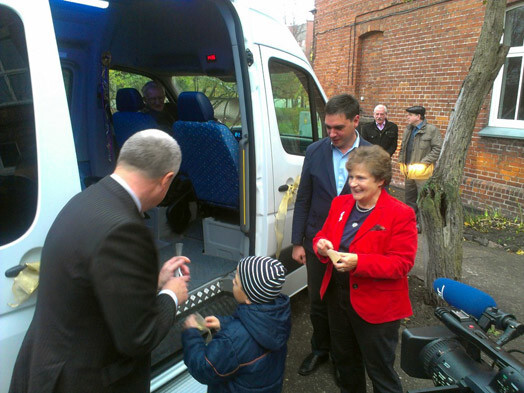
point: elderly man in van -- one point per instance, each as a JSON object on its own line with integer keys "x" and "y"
{"x": 154, "y": 98}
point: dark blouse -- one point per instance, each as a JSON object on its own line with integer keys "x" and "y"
{"x": 353, "y": 224}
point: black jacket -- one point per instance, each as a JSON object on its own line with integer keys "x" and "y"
{"x": 387, "y": 138}
{"x": 97, "y": 315}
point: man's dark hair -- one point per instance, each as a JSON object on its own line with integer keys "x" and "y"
{"x": 343, "y": 103}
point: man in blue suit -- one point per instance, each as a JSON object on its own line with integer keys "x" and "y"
{"x": 324, "y": 176}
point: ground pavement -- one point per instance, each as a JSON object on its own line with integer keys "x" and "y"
{"x": 494, "y": 271}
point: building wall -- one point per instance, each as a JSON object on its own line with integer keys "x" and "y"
{"x": 403, "y": 53}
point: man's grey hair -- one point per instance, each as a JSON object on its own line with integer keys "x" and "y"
{"x": 151, "y": 85}
{"x": 381, "y": 106}
{"x": 152, "y": 152}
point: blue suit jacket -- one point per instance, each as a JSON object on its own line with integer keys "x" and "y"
{"x": 316, "y": 191}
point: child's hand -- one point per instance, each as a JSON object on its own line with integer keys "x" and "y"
{"x": 212, "y": 322}
{"x": 190, "y": 322}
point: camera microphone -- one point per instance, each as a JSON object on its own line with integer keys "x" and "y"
{"x": 468, "y": 299}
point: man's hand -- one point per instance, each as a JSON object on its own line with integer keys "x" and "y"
{"x": 179, "y": 286}
{"x": 299, "y": 254}
{"x": 168, "y": 269}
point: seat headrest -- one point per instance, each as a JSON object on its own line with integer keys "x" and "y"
{"x": 194, "y": 106}
{"x": 129, "y": 100}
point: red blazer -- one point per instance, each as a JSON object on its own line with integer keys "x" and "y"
{"x": 386, "y": 245}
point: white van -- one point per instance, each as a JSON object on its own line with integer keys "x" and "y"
{"x": 64, "y": 68}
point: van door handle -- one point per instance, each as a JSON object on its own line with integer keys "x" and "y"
{"x": 283, "y": 188}
{"x": 14, "y": 271}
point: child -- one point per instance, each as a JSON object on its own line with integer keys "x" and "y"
{"x": 248, "y": 352}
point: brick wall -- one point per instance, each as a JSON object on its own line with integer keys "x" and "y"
{"x": 404, "y": 53}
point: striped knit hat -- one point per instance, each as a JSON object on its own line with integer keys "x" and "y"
{"x": 261, "y": 278}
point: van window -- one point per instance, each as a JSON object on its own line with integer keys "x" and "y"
{"x": 293, "y": 100}
{"x": 18, "y": 164}
{"x": 122, "y": 79}
{"x": 67, "y": 75}
{"x": 222, "y": 94}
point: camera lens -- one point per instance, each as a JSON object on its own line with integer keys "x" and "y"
{"x": 447, "y": 362}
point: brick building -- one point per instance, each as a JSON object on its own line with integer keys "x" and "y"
{"x": 418, "y": 52}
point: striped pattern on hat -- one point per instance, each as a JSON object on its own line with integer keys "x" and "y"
{"x": 261, "y": 278}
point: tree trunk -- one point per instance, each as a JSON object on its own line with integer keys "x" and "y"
{"x": 439, "y": 202}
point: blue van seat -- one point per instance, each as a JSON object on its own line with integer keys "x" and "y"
{"x": 209, "y": 151}
{"x": 128, "y": 120}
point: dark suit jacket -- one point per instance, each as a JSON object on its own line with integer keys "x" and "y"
{"x": 387, "y": 138}
{"x": 97, "y": 315}
{"x": 316, "y": 191}
{"x": 386, "y": 245}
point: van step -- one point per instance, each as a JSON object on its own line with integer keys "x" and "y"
{"x": 183, "y": 383}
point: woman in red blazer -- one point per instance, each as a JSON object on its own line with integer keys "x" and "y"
{"x": 371, "y": 239}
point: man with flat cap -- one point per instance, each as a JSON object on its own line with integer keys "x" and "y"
{"x": 420, "y": 150}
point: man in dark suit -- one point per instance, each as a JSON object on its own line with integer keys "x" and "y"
{"x": 98, "y": 314}
{"x": 381, "y": 132}
{"x": 324, "y": 176}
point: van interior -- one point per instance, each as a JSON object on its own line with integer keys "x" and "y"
{"x": 190, "y": 48}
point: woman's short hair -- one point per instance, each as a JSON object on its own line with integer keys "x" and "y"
{"x": 376, "y": 160}
{"x": 153, "y": 152}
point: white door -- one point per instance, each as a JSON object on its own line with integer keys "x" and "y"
{"x": 38, "y": 170}
{"x": 293, "y": 100}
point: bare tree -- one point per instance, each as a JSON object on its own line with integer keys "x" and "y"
{"x": 439, "y": 201}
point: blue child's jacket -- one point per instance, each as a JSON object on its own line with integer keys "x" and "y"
{"x": 247, "y": 354}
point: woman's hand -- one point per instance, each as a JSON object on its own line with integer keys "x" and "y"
{"x": 323, "y": 245}
{"x": 347, "y": 262}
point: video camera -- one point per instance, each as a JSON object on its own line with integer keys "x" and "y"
{"x": 455, "y": 356}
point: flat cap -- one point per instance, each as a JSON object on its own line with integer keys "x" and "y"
{"x": 418, "y": 110}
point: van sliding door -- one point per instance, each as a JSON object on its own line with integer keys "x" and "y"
{"x": 296, "y": 113}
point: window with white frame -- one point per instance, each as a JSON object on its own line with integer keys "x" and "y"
{"x": 507, "y": 105}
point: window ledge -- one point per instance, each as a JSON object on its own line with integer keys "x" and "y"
{"x": 502, "y": 132}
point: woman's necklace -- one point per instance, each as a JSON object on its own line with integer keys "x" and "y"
{"x": 364, "y": 210}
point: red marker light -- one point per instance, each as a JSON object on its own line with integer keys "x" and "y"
{"x": 211, "y": 58}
